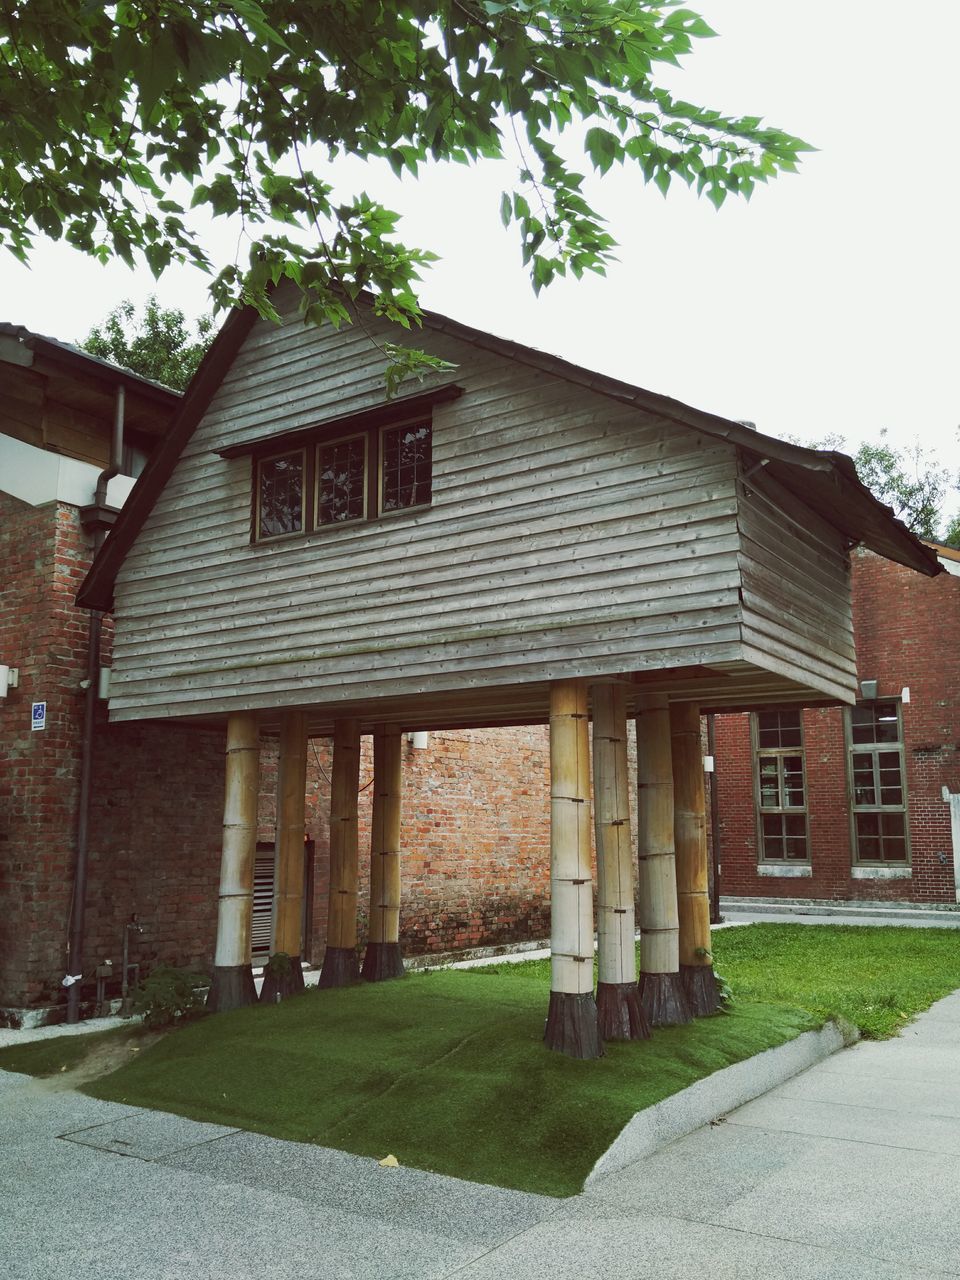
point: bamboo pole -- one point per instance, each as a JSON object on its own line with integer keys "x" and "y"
{"x": 618, "y": 1003}
{"x": 383, "y": 958}
{"x": 340, "y": 965}
{"x": 572, "y": 1025}
{"x": 661, "y": 991}
{"x": 690, "y": 832}
{"x": 278, "y": 983}
{"x": 232, "y": 985}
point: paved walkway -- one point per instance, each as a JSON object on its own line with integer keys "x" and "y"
{"x": 849, "y": 1171}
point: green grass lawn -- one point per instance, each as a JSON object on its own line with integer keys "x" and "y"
{"x": 447, "y": 1070}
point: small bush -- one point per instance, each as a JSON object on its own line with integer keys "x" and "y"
{"x": 278, "y": 966}
{"x": 169, "y": 995}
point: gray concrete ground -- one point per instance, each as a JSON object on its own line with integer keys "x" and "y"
{"x": 850, "y": 1170}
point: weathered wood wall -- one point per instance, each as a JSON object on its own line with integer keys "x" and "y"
{"x": 795, "y": 572}
{"x": 569, "y": 535}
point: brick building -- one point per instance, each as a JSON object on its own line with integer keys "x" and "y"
{"x": 849, "y": 803}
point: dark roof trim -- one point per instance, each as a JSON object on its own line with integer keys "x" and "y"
{"x": 825, "y": 480}
{"x": 78, "y": 361}
{"x": 393, "y": 411}
{"x": 97, "y": 589}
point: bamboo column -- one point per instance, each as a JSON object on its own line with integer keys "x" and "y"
{"x": 291, "y": 822}
{"x": 572, "y": 1026}
{"x": 690, "y": 832}
{"x": 382, "y": 958}
{"x": 618, "y": 1001}
{"x": 340, "y": 965}
{"x": 232, "y": 984}
{"x": 661, "y": 990}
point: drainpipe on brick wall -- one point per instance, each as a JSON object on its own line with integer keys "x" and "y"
{"x": 94, "y": 516}
{"x": 953, "y": 800}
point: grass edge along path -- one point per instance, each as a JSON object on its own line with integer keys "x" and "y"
{"x": 445, "y": 1070}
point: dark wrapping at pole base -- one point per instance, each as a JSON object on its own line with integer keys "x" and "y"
{"x": 382, "y": 960}
{"x": 619, "y": 1015}
{"x": 279, "y": 986}
{"x": 700, "y": 988}
{"x": 572, "y": 1026}
{"x": 232, "y": 988}
{"x": 662, "y": 999}
{"x": 340, "y": 967}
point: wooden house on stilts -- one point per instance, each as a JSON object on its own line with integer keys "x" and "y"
{"x": 515, "y": 540}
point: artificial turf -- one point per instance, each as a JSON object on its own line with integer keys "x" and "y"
{"x": 446, "y": 1071}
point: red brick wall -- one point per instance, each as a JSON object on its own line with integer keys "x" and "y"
{"x": 41, "y": 551}
{"x": 905, "y": 626}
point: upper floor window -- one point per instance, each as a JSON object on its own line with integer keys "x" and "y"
{"x": 376, "y": 462}
{"x": 781, "y": 786}
{"x": 877, "y": 783}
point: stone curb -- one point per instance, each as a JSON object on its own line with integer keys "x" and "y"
{"x": 712, "y": 1097}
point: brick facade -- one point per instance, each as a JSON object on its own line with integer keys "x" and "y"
{"x": 905, "y": 626}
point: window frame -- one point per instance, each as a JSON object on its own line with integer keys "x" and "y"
{"x": 874, "y": 749}
{"x": 779, "y": 753}
{"x": 258, "y": 460}
{"x": 309, "y": 443}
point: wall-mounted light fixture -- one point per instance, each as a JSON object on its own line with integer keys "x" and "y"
{"x": 9, "y": 679}
{"x": 868, "y": 689}
{"x": 419, "y": 740}
{"x": 905, "y": 694}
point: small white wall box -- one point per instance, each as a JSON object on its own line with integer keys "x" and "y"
{"x": 103, "y": 684}
{"x": 905, "y": 694}
{"x": 9, "y": 679}
{"x": 868, "y": 689}
{"x": 708, "y": 764}
{"x": 420, "y": 740}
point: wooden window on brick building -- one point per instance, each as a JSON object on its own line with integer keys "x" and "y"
{"x": 780, "y": 786}
{"x": 877, "y": 784}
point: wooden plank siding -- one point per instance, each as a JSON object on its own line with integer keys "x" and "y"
{"x": 568, "y": 535}
{"x": 795, "y": 571}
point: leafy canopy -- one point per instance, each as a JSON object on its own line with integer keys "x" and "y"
{"x": 120, "y": 117}
{"x": 157, "y": 345}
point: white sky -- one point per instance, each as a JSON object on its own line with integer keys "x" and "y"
{"x": 826, "y": 304}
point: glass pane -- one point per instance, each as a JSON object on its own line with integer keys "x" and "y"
{"x": 407, "y": 466}
{"x": 280, "y": 495}
{"x": 771, "y": 825}
{"x": 793, "y": 782}
{"x": 892, "y": 825}
{"x": 797, "y": 848}
{"x": 778, "y": 728}
{"x": 861, "y": 724}
{"x": 888, "y": 725}
{"x": 341, "y": 480}
{"x": 894, "y": 849}
{"x": 795, "y": 825}
{"x": 769, "y": 783}
{"x": 864, "y": 791}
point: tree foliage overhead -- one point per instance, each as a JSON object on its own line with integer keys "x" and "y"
{"x": 117, "y": 118}
{"x": 157, "y": 345}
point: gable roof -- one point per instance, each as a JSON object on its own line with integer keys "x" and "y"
{"x": 826, "y": 481}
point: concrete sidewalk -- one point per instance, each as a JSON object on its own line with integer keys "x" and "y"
{"x": 850, "y": 1170}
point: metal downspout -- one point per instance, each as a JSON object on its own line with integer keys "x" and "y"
{"x": 78, "y": 911}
